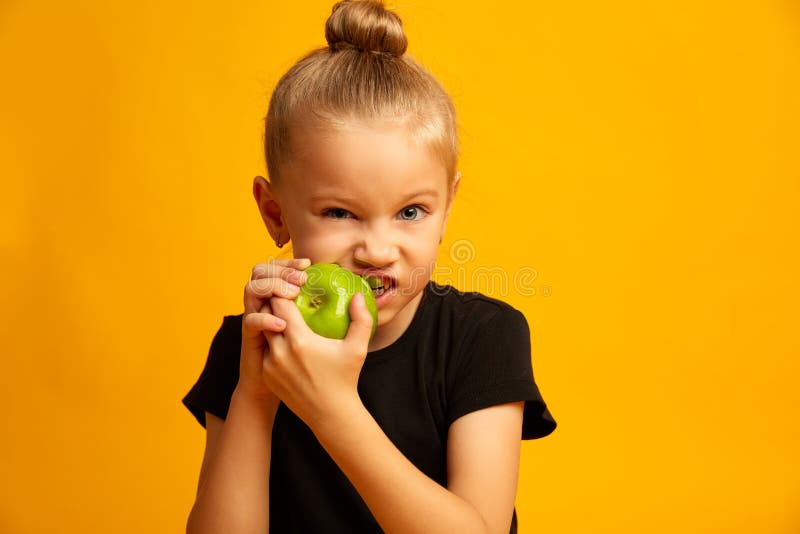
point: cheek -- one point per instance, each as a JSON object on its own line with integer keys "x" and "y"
{"x": 320, "y": 244}
{"x": 425, "y": 252}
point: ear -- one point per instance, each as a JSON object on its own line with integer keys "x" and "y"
{"x": 453, "y": 191}
{"x": 270, "y": 209}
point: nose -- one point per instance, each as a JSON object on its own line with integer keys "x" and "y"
{"x": 377, "y": 246}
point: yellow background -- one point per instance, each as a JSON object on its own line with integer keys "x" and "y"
{"x": 640, "y": 158}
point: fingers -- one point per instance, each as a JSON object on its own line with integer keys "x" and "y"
{"x": 263, "y": 322}
{"x": 360, "y": 329}
{"x": 288, "y": 310}
{"x": 276, "y": 341}
{"x": 280, "y": 268}
{"x": 257, "y": 292}
{"x": 255, "y": 328}
{"x": 279, "y": 278}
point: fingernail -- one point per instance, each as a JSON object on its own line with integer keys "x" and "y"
{"x": 291, "y": 288}
{"x": 280, "y": 323}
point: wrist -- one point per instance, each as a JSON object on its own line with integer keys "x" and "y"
{"x": 340, "y": 414}
{"x": 259, "y": 397}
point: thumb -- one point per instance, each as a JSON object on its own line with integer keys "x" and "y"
{"x": 360, "y": 329}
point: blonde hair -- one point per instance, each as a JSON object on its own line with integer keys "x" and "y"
{"x": 362, "y": 75}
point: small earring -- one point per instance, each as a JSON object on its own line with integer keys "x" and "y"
{"x": 278, "y": 243}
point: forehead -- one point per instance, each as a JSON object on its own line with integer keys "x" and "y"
{"x": 379, "y": 156}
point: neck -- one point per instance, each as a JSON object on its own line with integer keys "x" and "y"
{"x": 388, "y": 334}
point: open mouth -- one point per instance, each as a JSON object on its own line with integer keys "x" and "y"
{"x": 379, "y": 285}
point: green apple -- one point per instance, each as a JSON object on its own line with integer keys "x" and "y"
{"x": 324, "y": 300}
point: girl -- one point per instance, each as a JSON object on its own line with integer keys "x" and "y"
{"x": 416, "y": 429}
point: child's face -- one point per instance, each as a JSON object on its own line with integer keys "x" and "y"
{"x": 371, "y": 200}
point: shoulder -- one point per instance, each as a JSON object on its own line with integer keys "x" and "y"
{"x": 231, "y": 326}
{"x": 228, "y": 335}
{"x": 227, "y": 343}
{"x": 214, "y": 387}
{"x": 488, "y": 353}
{"x": 468, "y": 310}
{"x": 467, "y": 327}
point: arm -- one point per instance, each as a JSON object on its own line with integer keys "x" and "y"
{"x": 234, "y": 478}
{"x": 482, "y": 463}
{"x": 233, "y": 490}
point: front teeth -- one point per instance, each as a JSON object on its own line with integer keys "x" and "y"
{"x": 378, "y": 286}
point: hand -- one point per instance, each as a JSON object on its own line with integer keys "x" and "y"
{"x": 279, "y": 278}
{"x": 314, "y": 375}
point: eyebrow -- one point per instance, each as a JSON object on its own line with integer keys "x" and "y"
{"x": 344, "y": 200}
{"x": 422, "y": 193}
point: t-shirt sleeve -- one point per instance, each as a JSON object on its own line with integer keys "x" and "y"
{"x": 494, "y": 367}
{"x": 214, "y": 388}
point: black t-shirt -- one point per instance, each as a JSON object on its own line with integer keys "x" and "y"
{"x": 461, "y": 352}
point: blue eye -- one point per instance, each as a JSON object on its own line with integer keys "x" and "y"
{"x": 337, "y": 213}
{"x": 412, "y": 213}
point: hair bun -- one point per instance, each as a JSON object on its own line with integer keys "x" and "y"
{"x": 366, "y": 26}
